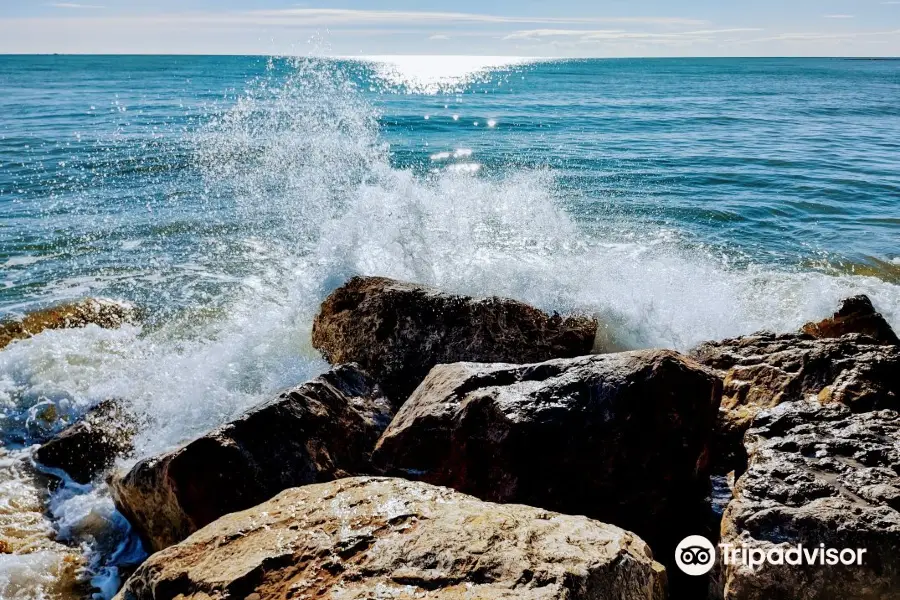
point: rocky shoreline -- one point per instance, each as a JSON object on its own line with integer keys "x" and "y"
{"x": 480, "y": 448}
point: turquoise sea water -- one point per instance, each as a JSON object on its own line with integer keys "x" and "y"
{"x": 678, "y": 200}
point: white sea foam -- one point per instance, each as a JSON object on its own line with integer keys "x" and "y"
{"x": 33, "y": 566}
{"x": 319, "y": 200}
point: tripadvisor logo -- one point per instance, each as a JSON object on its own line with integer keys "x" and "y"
{"x": 696, "y": 555}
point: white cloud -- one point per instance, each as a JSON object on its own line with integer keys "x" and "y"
{"x": 439, "y": 36}
{"x": 619, "y": 34}
{"x": 334, "y": 16}
{"x": 839, "y": 16}
{"x": 815, "y": 36}
{"x": 73, "y": 5}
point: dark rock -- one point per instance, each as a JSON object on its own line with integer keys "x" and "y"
{"x": 764, "y": 370}
{"x": 368, "y": 538}
{"x": 105, "y": 313}
{"x": 818, "y": 475}
{"x": 856, "y": 315}
{"x": 620, "y": 437}
{"x": 322, "y": 430}
{"x": 90, "y": 447}
{"x": 398, "y": 331}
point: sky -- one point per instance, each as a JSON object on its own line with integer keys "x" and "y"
{"x": 561, "y": 28}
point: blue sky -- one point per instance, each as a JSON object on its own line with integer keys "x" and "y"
{"x": 603, "y": 28}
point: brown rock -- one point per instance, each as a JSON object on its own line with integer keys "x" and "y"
{"x": 371, "y": 538}
{"x": 398, "y": 331}
{"x": 620, "y": 437}
{"x": 105, "y": 313}
{"x": 90, "y": 447}
{"x": 818, "y": 475}
{"x": 856, "y": 315}
{"x": 319, "y": 431}
{"x": 764, "y": 370}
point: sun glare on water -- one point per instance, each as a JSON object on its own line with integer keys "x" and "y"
{"x": 433, "y": 74}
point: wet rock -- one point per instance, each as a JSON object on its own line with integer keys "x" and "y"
{"x": 620, "y": 437}
{"x": 398, "y": 331}
{"x": 367, "y": 538}
{"x": 91, "y": 446}
{"x": 764, "y": 370}
{"x": 818, "y": 475}
{"x": 322, "y": 430}
{"x": 97, "y": 311}
{"x": 856, "y": 315}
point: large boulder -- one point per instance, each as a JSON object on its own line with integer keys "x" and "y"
{"x": 370, "y": 538}
{"x": 818, "y": 475}
{"x": 764, "y": 370}
{"x": 398, "y": 331}
{"x": 97, "y": 311}
{"x": 856, "y": 315}
{"x": 88, "y": 448}
{"x": 617, "y": 437}
{"x": 322, "y": 430}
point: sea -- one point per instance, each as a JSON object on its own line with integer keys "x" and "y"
{"x": 677, "y": 200}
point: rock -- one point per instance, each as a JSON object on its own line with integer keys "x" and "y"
{"x": 398, "y": 331}
{"x": 856, "y": 315}
{"x": 620, "y": 437}
{"x": 90, "y": 447}
{"x": 368, "y": 538}
{"x": 322, "y": 430}
{"x": 818, "y": 475}
{"x": 105, "y": 313}
{"x": 764, "y": 370}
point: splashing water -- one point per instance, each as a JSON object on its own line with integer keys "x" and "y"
{"x": 299, "y": 165}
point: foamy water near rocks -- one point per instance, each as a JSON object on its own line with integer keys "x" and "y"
{"x": 367, "y": 538}
{"x": 32, "y": 564}
{"x": 398, "y": 331}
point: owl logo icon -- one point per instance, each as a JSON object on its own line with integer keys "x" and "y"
{"x": 695, "y": 555}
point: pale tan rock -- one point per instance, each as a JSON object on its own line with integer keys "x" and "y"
{"x": 376, "y": 538}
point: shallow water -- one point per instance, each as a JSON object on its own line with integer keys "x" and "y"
{"x": 679, "y": 200}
